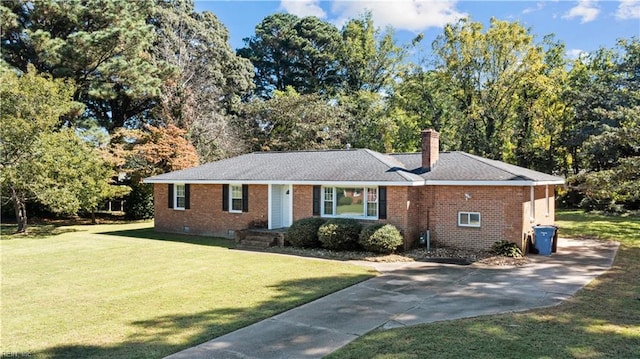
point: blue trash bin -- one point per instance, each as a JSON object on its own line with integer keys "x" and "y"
{"x": 543, "y": 236}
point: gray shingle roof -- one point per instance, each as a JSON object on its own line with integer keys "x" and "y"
{"x": 461, "y": 166}
{"x": 359, "y": 165}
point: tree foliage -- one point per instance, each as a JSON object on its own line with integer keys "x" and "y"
{"x": 141, "y": 153}
{"x": 39, "y": 161}
{"x": 600, "y": 136}
{"x": 493, "y": 78}
{"x": 101, "y": 44}
{"x": 370, "y": 59}
{"x": 209, "y": 79}
{"x": 290, "y": 51}
{"x": 291, "y": 121}
{"x": 153, "y": 150}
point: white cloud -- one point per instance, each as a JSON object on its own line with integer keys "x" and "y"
{"x": 628, "y": 9}
{"x": 539, "y": 6}
{"x": 303, "y": 8}
{"x": 574, "y": 54}
{"x": 412, "y": 15}
{"x": 586, "y": 10}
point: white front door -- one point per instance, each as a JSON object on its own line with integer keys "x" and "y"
{"x": 280, "y": 203}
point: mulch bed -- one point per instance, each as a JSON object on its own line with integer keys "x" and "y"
{"x": 437, "y": 255}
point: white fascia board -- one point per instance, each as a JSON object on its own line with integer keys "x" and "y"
{"x": 288, "y": 182}
{"x": 492, "y": 183}
{"x": 366, "y": 183}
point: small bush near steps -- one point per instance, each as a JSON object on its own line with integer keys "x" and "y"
{"x": 506, "y": 249}
{"x": 304, "y": 232}
{"x": 340, "y": 234}
{"x": 380, "y": 238}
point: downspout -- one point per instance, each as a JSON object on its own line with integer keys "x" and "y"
{"x": 546, "y": 197}
{"x": 532, "y": 205}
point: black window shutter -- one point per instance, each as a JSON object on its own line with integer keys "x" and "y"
{"x": 225, "y": 197}
{"x": 186, "y": 196}
{"x": 316, "y": 200}
{"x": 382, "y": 202}
{"x": 170, "y": 195}
{"x": 245, "y": 198}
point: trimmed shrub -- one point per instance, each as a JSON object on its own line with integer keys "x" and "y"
{"x": 506, "y": 249}
{"x": 304, "y": 232}
{"x": 139, "y": 202}
{"x": 381, "y": 238}
{"x": 340, "y": 234}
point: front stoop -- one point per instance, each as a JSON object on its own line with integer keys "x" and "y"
{"x": 258, "y": 239}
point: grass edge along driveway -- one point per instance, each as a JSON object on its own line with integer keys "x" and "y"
{"x": 601, "y": 321}
{"x": 126, "y": 291}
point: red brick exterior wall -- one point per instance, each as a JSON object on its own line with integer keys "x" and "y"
{"x": 500, "y": 211}
{"x": 505, "y": 212}
{"x": 205, "y": 216}
{"x": 302, "y": 202}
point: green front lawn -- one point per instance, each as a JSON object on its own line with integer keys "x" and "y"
{"x": 601, "y": 321}
{"x": 116, "y": 291}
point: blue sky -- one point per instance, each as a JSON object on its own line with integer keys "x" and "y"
{"x": 583, "y": 25}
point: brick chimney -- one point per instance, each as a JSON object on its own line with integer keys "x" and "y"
{"x": 430, "y": 148}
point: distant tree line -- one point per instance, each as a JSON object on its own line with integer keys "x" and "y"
{"x": 109, "y": 87}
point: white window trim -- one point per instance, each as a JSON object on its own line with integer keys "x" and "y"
{"x": 364, "y": 194}
{"x": 468, "y": 214}
{"x": 175, "y": 196}
{"x": 231, "y": 210}
{"x": 333, "y": 201}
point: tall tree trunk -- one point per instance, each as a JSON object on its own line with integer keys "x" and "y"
{"x": 20, "y": 208}
{"x": 93, "y": 217}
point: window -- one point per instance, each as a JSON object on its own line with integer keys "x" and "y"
{"x": 328, "y": 200}
{"x": 180, "y": 197}
{"x": 469, "y": 219}
{"x": 236, "y": 198}
{"x": 372, "y": 202}
{"x": 350, "y": 202}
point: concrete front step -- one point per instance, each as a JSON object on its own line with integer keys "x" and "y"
{"x": 258, "y": 239}
{"x": 248, "y": 243}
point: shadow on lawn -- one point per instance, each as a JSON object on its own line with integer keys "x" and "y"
{"x": 8, "y": 231}
{"x": 149, "y": 233}
{"x": 153, "y": 336}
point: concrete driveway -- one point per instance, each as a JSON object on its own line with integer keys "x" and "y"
{"x": 414, "y": 293}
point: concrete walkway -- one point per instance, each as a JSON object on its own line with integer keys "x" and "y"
{"x": 414, "y": 293}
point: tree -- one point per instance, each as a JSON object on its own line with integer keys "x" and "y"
{"x": 369, "y": 124}
{"x": 614, "y": 156}
{"x": 40, "y": 162}
{"x": 291, "y": 121}
{"x": 209, "y": 78}
{"x": 291, "y": 51}
{"x": 540, "y": 112}
{"x": 485, "y": 74}
{"x": 146, "y": 152}
{"x": 606, "y": 80}
{"x": 371, "y": 64}
{"x": 101, "y": 44}
{"x": 421, "y": 101}
{"x": 73, "y": 176}
{"x": 370, "y": 59}
{"x": 599, "y": 141}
